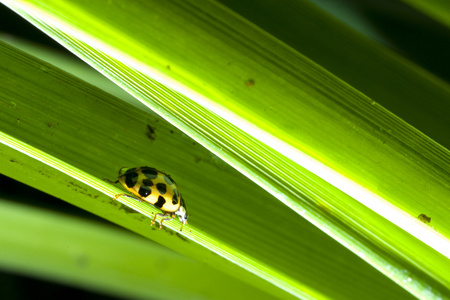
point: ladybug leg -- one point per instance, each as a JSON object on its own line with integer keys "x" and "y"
{"x": 181, "y": 228}
{"x": 165, "y": 217}
{"x": 154, "y": 218}
{"x": 128, "y": 196}
{"x": 170, "y": 217}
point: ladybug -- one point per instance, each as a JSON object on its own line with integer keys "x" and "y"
{"x": 157, "y": 188}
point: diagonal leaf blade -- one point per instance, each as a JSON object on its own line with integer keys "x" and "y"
{"x": 65, "y": 114}
{"x": 311, "y": 157}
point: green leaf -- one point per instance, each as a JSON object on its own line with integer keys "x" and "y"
{"x": 55, "y": 114}
{"x": 63, "y": 121}
{"x": 323, "y": 149}
{"x": 437, "y": 9}
{"x": 104, "y": 258}
{"x": 397, "y": 84}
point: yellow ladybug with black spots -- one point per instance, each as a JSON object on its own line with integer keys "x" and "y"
{"x": 157, "y": 188}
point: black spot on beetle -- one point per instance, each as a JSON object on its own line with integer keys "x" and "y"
{"x": 150, "y": 173}
{"x": 182, "y": 203}
{"x": 176, "y": 193}
{"x": 132, "y": 170}
{"x": 131, "y": 179}
{"x": 162, "y": 188}
{"x": 168, "y": 180}
{"x": 175, "y": 199}
{"x": 147, "y": 182}
{"x": 161, "y": 201}
{"x": 144, "y": 191}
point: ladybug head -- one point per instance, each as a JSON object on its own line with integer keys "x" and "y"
{"x": 182, "y": 213}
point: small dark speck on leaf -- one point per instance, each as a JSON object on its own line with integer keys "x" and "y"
{"x": 151, "y": 133}
{"x": 424, "y": 218}
{"x": 250, "y": 83}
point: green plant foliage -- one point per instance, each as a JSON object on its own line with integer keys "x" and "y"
{"x": 437, "y": 9}
{"x": 409, "y": 92}
{"x": 103, "y": 258}
{"x": 43, "y": 118}
{"x": 320, "y": 148}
